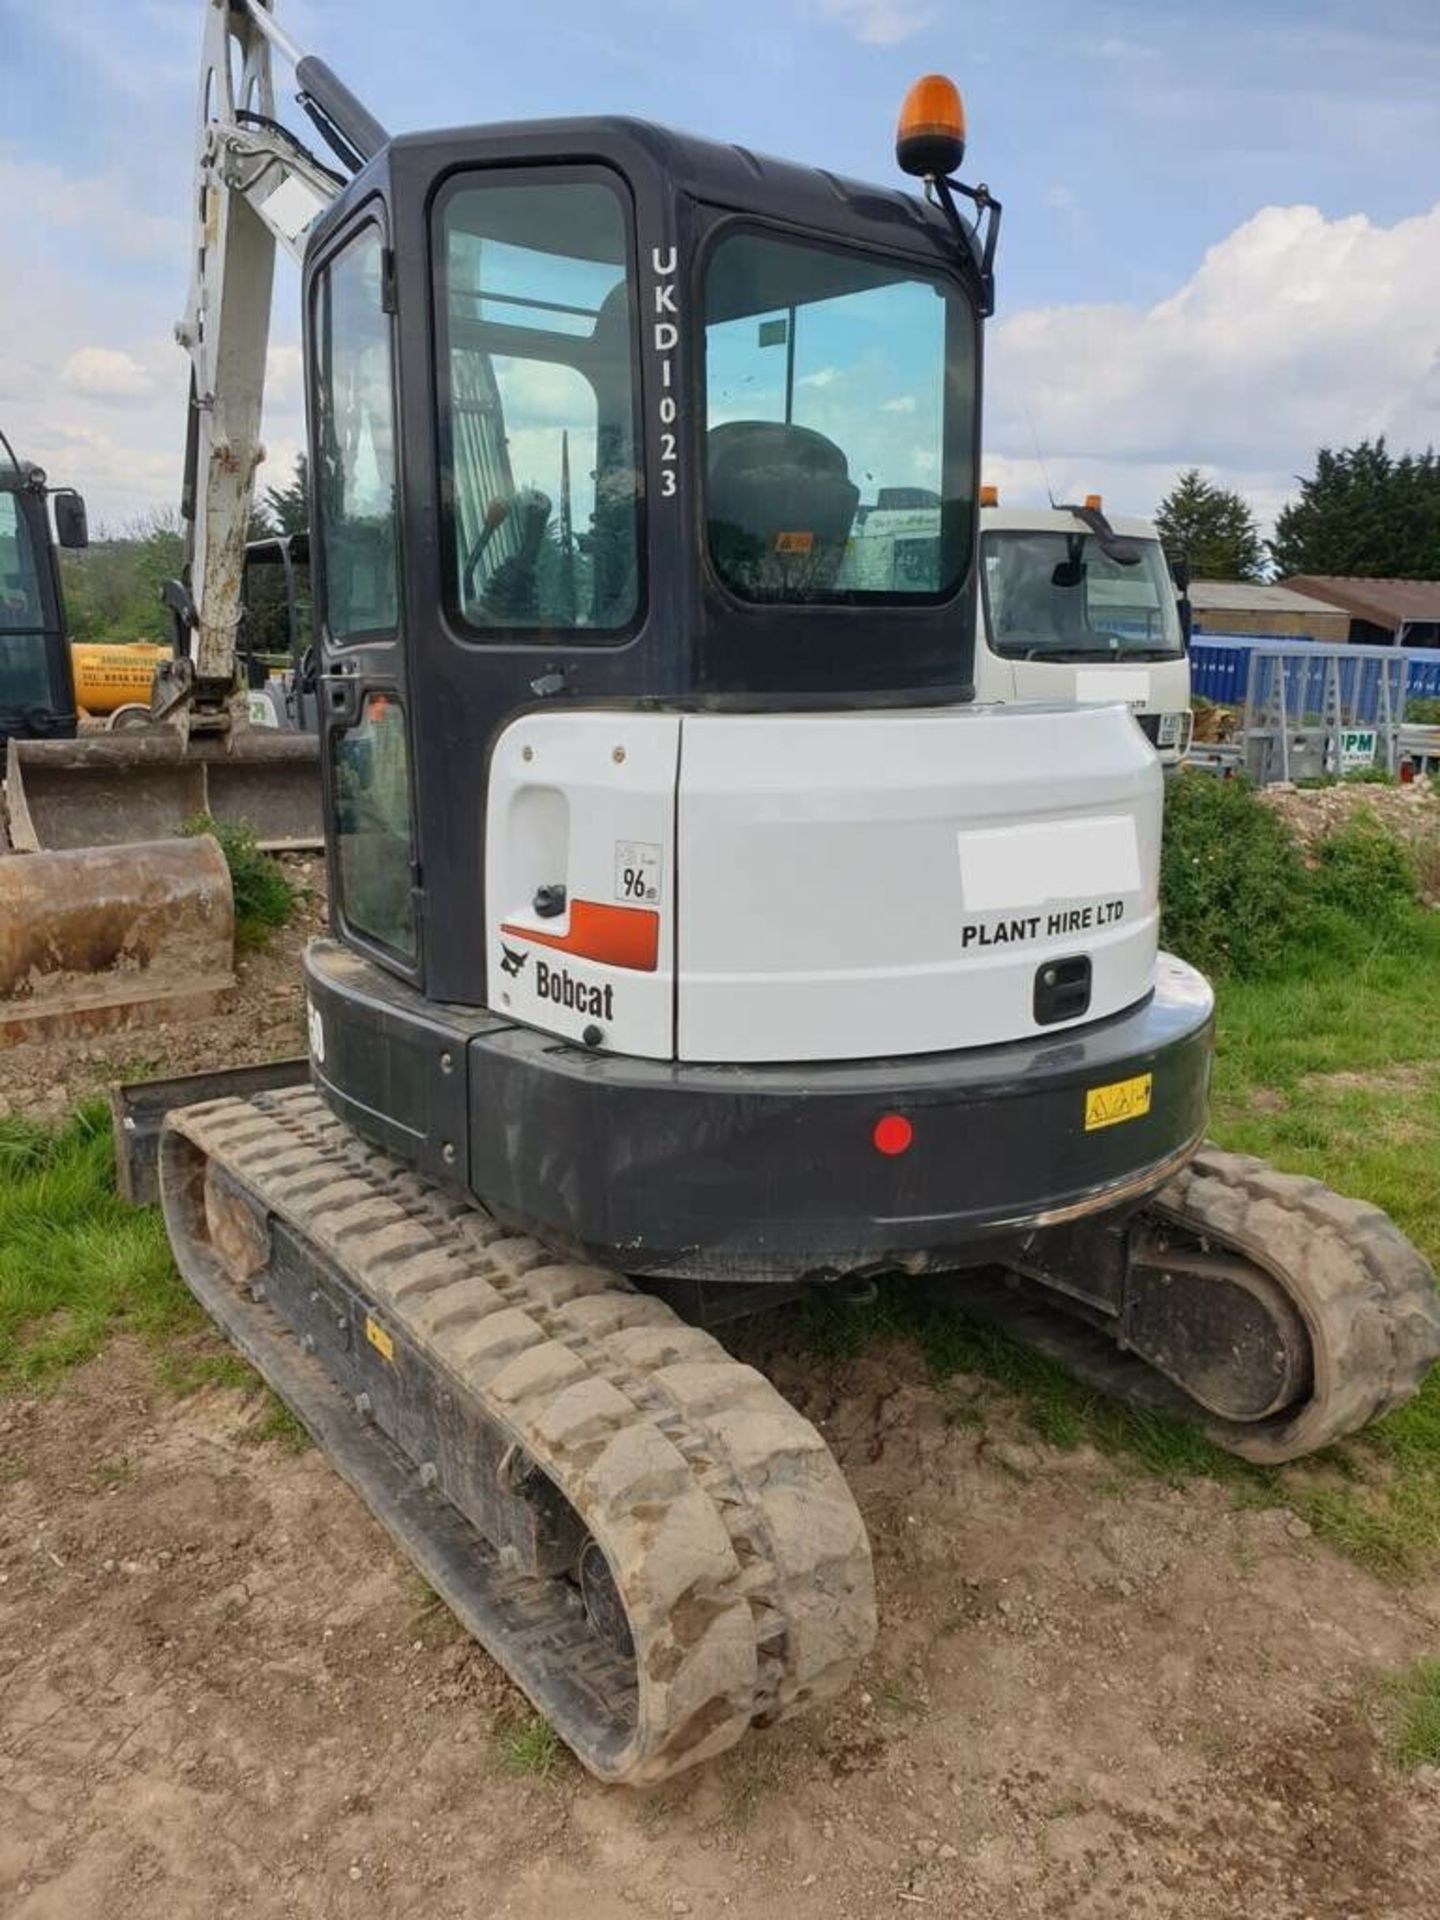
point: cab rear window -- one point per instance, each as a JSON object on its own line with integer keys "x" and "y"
{"x": 838, "y": 424}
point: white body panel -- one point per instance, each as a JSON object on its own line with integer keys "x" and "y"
{"x": 1149, "y": 686}
{"x": 819, "y": 886}
{"x": 862, "y": 885}
{"x": 571, "y": 796}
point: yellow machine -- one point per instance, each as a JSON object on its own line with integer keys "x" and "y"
{"x": 110, "y": 677}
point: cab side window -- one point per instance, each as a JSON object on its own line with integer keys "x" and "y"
{"x": 371, "y": 772}
{"x": 355, "y": 497}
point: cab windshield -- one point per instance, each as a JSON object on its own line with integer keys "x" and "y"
{"x": 1059, "y": 596}
{"x": 24, "y": 672}
{"x": 839, "y": 416}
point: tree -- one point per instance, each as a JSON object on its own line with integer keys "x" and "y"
{"x": 1211, "y": 526}
{"x": 112, "y": 587}
{"x": 287, "y": 509}
{"x": 1363, "y": 511}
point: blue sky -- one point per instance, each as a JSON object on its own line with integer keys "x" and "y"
{"x": 1221, "y": 242}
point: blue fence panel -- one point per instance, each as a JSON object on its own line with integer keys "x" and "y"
{"x": 1220, "y": 671}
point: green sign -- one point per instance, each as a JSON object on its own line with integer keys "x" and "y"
{"x": 1357, "y": 748}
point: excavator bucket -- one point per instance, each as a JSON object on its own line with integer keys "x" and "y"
{"x": 108, "y": 790}
{"x": 102, "y": 937}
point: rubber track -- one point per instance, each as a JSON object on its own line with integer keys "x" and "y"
{"x": 1366, "y": 1294}
{"x": 736, "y": 1544}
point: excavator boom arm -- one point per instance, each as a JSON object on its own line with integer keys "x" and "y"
{"x": 256, "y": 186}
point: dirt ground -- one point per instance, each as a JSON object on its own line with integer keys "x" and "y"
{"x": 222, "y": 1693}
{"x": 1411, "y": 813}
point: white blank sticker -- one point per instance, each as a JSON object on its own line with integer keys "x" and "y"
{"x": 1098, "y": 684}
{"x": 1029, "y": 866}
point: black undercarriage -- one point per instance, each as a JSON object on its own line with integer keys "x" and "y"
{"x": 716, "y": 1187}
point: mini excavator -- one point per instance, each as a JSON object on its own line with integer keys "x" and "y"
{"x": 697, "y": 939}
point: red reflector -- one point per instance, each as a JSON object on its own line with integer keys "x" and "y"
{"x": 892, "y": 1133}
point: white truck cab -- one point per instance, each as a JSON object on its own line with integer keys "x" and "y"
{"x": 1078, "y": 608}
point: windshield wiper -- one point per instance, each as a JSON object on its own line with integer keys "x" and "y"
{"x": 1102, "y": 656}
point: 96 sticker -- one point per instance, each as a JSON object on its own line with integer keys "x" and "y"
{"x": 638, "y": 866}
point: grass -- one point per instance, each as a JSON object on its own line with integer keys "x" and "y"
{"x": 1412, "y": 1700}
{"x": 431, "y": 1620}
{"x": 1334, "y": 1070}
{"x": 276, "y": 1425}
{"x": 77, "y": 1265}
{"x": 264, "y": 897}
{"x": 750, "y": 1778}
{"x": 1346, "y": 1057}
{"x": 531, "y": 1749}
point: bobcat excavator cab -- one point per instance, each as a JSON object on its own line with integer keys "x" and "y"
{"x": 696, "y": 939}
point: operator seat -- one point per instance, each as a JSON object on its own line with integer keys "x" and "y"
{"x": 781, "y": 506}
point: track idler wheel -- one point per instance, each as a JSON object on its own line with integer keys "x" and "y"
{"x": 1290, "y": 1314}
{"x": 1225, "y": 1331}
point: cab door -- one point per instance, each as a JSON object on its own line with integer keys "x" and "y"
{"x": 37, "y": 695}
{"x": 359, "y": 599}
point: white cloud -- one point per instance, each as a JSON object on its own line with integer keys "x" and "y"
{"x": 130, "y": 64}
{"x": 821, "y": 378}
{"x": 878, "y": 23}
{"x": 92, "y": 385}
{"x": 543, "y": 392}
{"x": 1117, "y": 48}
{"x": 1295, "y": 331}
{"x": 98, "y": 209}
{"x": 277, "y": 469}
{"x": 285, "y": 377}
{"x": 904, "y": 404}
{"x": 105, "y": 373}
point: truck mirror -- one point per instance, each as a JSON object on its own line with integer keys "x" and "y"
{"x": 72, "y": 529}
{"x": 1187, "y": 622}
{"x": 1180, "y": 573}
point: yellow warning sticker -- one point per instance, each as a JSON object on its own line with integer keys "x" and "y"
{"x": 1122, "y": 1100}
{"x": 380, "y": 1339}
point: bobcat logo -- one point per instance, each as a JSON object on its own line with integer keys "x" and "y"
{"x": 514, "y": 960}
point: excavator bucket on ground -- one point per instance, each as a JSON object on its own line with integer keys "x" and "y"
{"x": 113, "y": 790}
{"x": 101, "y": 937}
